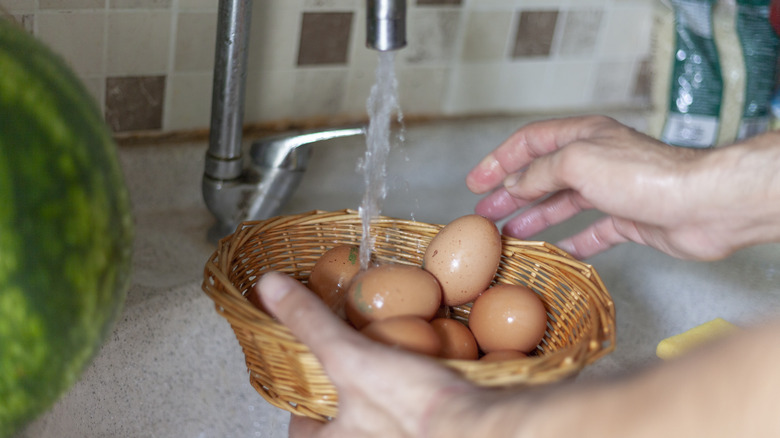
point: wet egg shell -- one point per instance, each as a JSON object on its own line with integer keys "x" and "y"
{"x": 411, "y": 333}
{"x": 464, "y": 257}
{"x": 456, "y": 339}
{"x": 501, "y": 355}
{"x": 391, "y": 290}
{"x": 331, "y": 275}
{"x": 508, "y": 317}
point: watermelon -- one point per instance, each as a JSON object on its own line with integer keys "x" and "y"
{"x": 65, "y": 228}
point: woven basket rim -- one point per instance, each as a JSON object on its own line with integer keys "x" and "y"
{"x": 243, "y": 316}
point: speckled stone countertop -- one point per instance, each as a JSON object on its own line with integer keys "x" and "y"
{"x": 173, "y": 368}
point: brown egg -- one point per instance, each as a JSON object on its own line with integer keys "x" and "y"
{"x": 464, "y": 257}
{"x": 331, "y": 275}
{"x": 392, "y": 290}
{"x": 508, "y": 317}
{"x": 501, "y": 355}
{"x": 408, "y": 332}
{"x": 456, "y": 339}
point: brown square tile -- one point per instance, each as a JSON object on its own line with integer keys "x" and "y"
{"x": 135, "y": 103}
{"x": 535, "y": 30}
{"x": 27, "y": 21}
{"x": 141, "y": 4}
{"x": 72, "y": 4}
{"x": 439, "y": 2}
{"x": 15, "y": 7}
{"x": 324, "y": 38}
{"x": 644, "y": 79}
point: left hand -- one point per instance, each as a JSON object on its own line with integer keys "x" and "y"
{"x": 382, "y": 391}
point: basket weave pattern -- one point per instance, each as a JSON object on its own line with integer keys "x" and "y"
{"x": 580, "y": 326}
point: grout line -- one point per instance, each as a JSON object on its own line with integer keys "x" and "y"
{"x": 171, "y": 67}
{"x": 446, "y": 105}
{"x": 104, "y": 64}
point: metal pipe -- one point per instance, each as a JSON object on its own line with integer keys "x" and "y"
{"x": 223, "y": 159}
{"x": 385, "y": 24}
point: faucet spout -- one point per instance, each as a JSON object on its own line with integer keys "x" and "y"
{"x": 276, "y": 167}
{"x": 236, "y": 189}
{"x": 386, "y": 24}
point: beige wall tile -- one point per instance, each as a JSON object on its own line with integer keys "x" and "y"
{"x": 195, "y": 41}
{"x": 269, "y": 96}
{"x": 474, "y": 88}
{"x": 431, "y": 36}
{"x": 525, "y": 84}
{"x": 273, "y": 41}
{"x": 335, "y": 4}
{"x": 189, "y": 104}
{"x": 72, "y": 4}
{"x": 199, "y": 5}
{"x": 613, "y": 82}
{"x": 627, "y": 32}
{"x": 18, "y": 6}
{"x": 604, "y": 3}
{"x": 141, "y": 4}
{"x": 486, "y": 36}
{"x": 458, "y": 60}
{"x": 439, "y": 2}
{"x": 319, "y": 92}
{"x": 138, "y": 42}
{"x": 569, "y": 85}
{"x": 357, "y": 92}
{"x": 95, "y": 85}
{"x": 362, "y": 58}
{"x": 543, "y": 4}
{"x": 422, "y": 92}
{"x": 77, "y": 36}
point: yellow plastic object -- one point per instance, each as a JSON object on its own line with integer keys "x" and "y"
{"x": 709, "y": 331}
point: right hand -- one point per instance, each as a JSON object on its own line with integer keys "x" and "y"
{"x": 383, "y": 391}
{"x": 678, "y": 200}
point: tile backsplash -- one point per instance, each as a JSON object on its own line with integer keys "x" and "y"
{"x": 149, "y": 62}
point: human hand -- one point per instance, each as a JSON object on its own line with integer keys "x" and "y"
{"x": 652, "y": 193}
{"x": 382, "y": 391}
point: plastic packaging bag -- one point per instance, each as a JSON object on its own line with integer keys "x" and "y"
{"x": 715, "y": 69}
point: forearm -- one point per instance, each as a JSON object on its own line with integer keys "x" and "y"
{"x": 733, "y": 390}
{"x": 740, "y": 187}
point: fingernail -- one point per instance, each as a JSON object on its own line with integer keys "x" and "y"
{"x": 512, "y": 179}
{"x": 567, "y": 245}
{"x": 488, "y": 163}
{"x": 273, "y": 287}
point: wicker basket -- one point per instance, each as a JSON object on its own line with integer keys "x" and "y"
{"x": 581, "y": 316}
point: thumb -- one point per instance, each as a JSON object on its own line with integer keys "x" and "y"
{"x": 309, "y": 319}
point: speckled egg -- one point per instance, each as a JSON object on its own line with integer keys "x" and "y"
{"x": 391, "y": 290}
{"x": 331, "y": 275}
{"x": 464, "y": 257}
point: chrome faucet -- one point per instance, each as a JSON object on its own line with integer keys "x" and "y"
{"x": 385, "y": 24}
{"x": 235, "y": 191}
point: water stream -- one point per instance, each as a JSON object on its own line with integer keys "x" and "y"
{"x": 382, "y": 105}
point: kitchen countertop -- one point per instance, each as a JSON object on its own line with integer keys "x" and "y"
{"x": 173, "y": 367}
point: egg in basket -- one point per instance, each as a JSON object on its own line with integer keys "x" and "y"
{"x": 563, "y": 317}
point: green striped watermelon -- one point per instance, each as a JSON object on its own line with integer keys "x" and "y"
{"x": 65, "y": 228}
